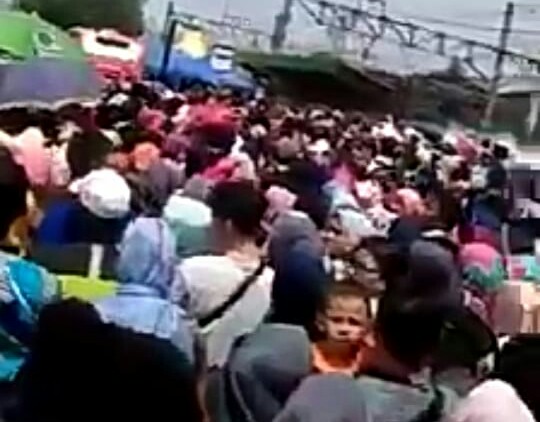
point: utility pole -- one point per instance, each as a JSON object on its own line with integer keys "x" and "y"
{"x": 226, "y": 8}
{"x": 279, "y": 35}
{"x": 499, "y": 64}
{"x": 169, "y": 32}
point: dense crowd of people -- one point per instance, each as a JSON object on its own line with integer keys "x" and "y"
{"x": 201, "y": 256}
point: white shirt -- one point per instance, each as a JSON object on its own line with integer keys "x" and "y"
{"x": 210, "y": 281}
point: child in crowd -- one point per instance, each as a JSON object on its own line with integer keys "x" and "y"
{"x": 343, "y": 324}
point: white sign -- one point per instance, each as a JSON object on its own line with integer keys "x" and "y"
{"x": 222, "y": 57}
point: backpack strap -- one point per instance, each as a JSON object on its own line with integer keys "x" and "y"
{"x": 435, "y": 411}
{"x": 240, "y": 291}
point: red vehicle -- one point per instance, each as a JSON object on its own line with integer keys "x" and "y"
{"x": 114, "y": 56}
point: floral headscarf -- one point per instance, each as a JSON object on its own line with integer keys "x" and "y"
{"x": 482, "y": 267}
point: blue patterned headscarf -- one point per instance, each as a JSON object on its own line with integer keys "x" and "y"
{"x": 24, "y": 289}
{"x": 147, "y": 255}
{"x": 145, "y": 271}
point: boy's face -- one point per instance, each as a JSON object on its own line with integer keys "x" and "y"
{"x": 346, "y": 319}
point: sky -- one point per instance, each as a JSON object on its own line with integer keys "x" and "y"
{"x": 476, "y": 12}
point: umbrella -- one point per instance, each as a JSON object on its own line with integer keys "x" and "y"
{"x": 47, "y": 82}
{"x": 24, "y": 36}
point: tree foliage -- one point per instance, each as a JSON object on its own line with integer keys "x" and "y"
{"x": 126, "y": 16}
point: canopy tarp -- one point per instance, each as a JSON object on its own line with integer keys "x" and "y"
{"x": 25, "y": 36}
{"x": 316, "y": 63}
{"x": 181, "y": 66}
{"x": 321, "y": 78}
{"x": 519, "y": 85}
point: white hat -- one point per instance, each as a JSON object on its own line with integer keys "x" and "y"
{"x": 104, "y": 193}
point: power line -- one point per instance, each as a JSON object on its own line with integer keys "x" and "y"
{"x": 467, "y": 25}
{"x": 409, "y": 34}
{"x": 527, "y": 5}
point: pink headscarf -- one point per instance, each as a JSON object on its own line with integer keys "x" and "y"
{"x": 223, "y": 170}
{"x": 466, "y": 148}
{"x": 151, "y": 120}
{"x": 411, "y": 203}
{"x": 29, "y": 151}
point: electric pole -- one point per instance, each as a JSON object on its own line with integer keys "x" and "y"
{"x": 226, "y": 8}
{"x": 279, "y": 35}
{"x": 499, "y": 64}
{"x": 169, "y": 32}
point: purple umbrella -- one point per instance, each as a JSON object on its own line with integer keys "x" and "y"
{"x": 47, "y": 83}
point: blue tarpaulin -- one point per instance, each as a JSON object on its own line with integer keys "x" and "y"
{"x": 184, "y": 67}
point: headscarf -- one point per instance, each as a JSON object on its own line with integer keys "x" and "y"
{"x": 466, "y": 148}
{"x": 147, "y": 255}
{"x": 265, "y": 369}
{"x": 411, "y": 202}
{"x": 430, "y": 274}
{"x": 189, "y": 220}
{"x": 163, "y": 179}
{"x": 291, "y": 229}
{"x": 29, "y": 151}
{"x": 482, "y": 267}
{"x": 492, "y": 401}
{"x": 326, "y": 398}
{"x": 221, "y": 171}
{"x": 25, "y": 289}
{"x": 198, "y": 188}
{"x": 299, "y": 288}
{"x": 145, "y": 271}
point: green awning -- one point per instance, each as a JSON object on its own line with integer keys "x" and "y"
{"x": 317, "y": 63}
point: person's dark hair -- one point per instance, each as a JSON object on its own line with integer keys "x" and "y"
{"x": 299, "y": 289}
{"x": 240, "y": 203}
{"x": 410, "y": 328}
{"x": 87, "y": 152}
{"x": 78, "y": 362}
{"x": 450, "y": 210}
{"x": 13, "y": 187}
{"x": 85, "y": 227}
{"x": 465, "y": 342}
{"x": 500, "y": 152}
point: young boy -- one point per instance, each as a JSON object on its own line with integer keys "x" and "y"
{"x": 343, "y": 324}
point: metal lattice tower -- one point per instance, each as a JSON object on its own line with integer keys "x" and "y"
{"x": 373, "y": 26}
